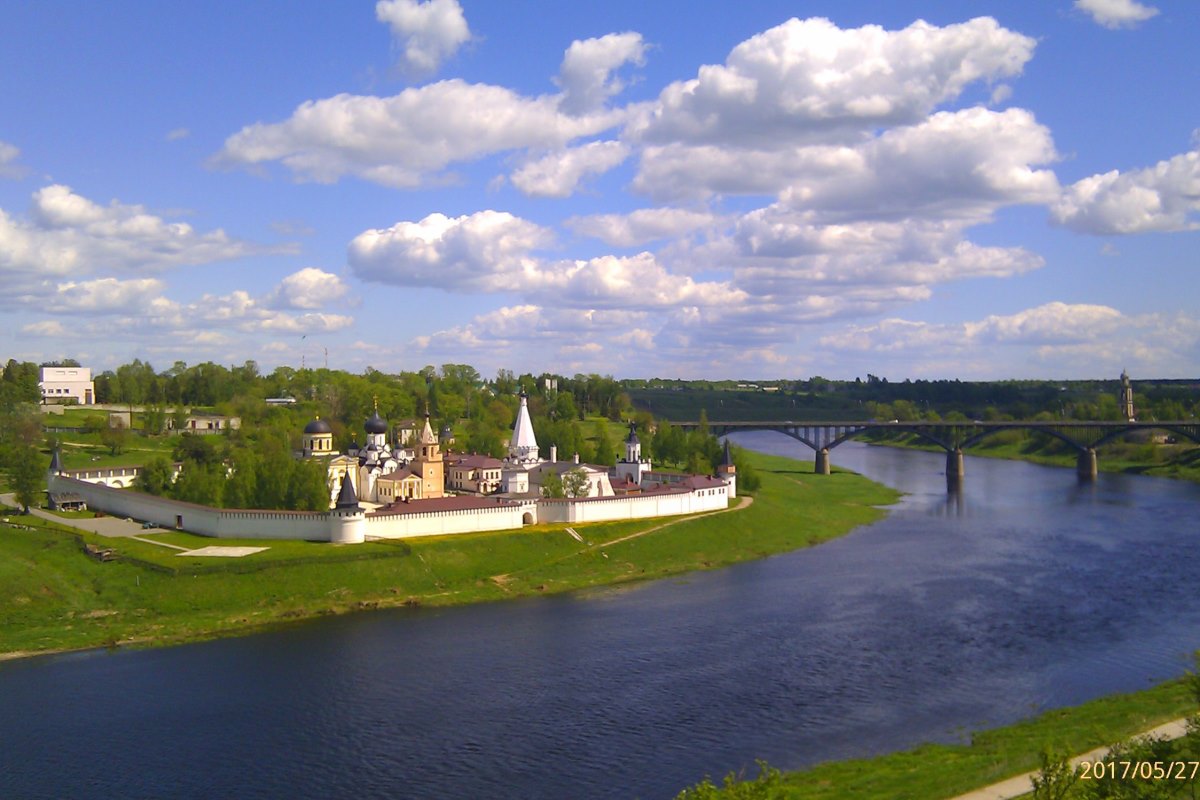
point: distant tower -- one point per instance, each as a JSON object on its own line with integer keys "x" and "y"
{"x": 728, "y": 471}
{"x": 317, "y": 439}
{"x": 632, "y": 466}
{"x": 523, "y": 446}
{"x": 429, "y": 464}
{"x": 347, "y": 524}
{"x": 1127, "y": 397}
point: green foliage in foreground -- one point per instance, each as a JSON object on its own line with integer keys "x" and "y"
{"x": 56, "y": 597}
{"x": 934, "y": 771}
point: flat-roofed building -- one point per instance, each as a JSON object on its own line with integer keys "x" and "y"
{"x": 67, "y": 384}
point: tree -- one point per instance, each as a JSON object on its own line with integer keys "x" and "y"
{"x": 606, "y": 454}
{"x": 26, "y": 473}
{"x": 575, "y": 483}
{"x": 155, "y": 477}
{"x": 552, "y": 485}
{"x": 114, "y": 438}
{"x": 307, "y": 487}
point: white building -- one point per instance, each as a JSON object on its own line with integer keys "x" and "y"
{"x": 64, "y": 384}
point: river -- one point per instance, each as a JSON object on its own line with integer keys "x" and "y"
{"x": 1026, "y": 591}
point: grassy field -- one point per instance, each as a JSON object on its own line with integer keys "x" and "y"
{"x": 56, "y": 597}
{"x": 932, "y": 772}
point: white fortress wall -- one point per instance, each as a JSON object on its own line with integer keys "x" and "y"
{"x": 638, "y": 506}
{"x": 220, "y": 523}
{"x": 441, "y": 523}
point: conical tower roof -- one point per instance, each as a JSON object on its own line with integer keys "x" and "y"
{"x": 523, "y": 445}
{"x": 347, "y": 499}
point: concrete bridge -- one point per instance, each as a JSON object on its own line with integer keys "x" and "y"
{"x": 1083, "y": 436}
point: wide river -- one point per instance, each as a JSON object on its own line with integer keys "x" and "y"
{"x": 1027, "y": 591}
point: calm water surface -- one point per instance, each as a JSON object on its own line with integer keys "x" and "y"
{"x": 1026, "y": 592}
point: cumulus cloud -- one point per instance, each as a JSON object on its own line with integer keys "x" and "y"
{"x": 558, "y": 174}
{"x": 485, "y": 251}
{"x": 642, "y": 226}
{"x": 493, "y": 251}
{"x": 426, "y": 33}
{"x": 47, "y": 327}
{"x": 960, "y": 163}
{"x": 1164, "y": 197}
{"x": 104, "y": 296}
{"x": 1055, "y": 338}
{"x": 809, "y": 78}
{"x": 586, "y": 75}
{"x": 1115, "y": 14}
{"x": 406, "y": 140}
{"x": 308, "y": 288}
{"x": 8, "y": 158}
{"x": 68, "y": 234}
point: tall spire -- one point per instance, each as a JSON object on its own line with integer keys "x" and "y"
{"x": 523, "y": 446}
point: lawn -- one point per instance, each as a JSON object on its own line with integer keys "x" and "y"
{"x": 60, "y": 598}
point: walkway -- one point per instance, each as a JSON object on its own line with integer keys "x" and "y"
{"x": 1023, "y": 784}
{"x": 105, "y": 526}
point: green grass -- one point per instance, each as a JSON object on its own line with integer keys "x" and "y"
{"x": 934, "y": 771}
{"x": 58, "y": 598}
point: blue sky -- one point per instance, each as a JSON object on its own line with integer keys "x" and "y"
{"x": 967, "y": 189}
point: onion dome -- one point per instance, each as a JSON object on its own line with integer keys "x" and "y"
{"x": 376, "y": 424}
{"x": 318, "y": 425}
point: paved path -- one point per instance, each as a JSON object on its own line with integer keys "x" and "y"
{"x": 105, "y": 526}
{"x": 1023, "y": 784}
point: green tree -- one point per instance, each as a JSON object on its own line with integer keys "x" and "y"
{"x": 203, "y": 484}
{"x": 27, "y": 473}
{"x": 552, "y": 485}
{"x": 307, "y": 487}
{"x": 155, "y": 477}
{"x": 575, "y": 483}
{"x": 606, "y": 454}
{"x": 114, "y": 438}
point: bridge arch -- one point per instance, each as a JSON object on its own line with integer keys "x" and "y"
{"x": 1079, "y": 447}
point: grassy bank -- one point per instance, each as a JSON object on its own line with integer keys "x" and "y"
{"x": 931, "y": 771}
{"x": 1179, "y": 461}
{"x": 56, "y": 597}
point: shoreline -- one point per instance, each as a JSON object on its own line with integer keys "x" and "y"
{"x": 528, "y": 563}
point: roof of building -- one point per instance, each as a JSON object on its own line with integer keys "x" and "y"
{"x": 398, "y": 475}
{"x": 346, "y": 497}
{"x": 522, "y": 435}
{"x": 727, "y": 459}
{"x": 440, "y": 504}
{"x": 473, "y": 461}
{"x": 318, "y": 425}
{"x": 376, "y": 424}
{"x": 427, "y": 436}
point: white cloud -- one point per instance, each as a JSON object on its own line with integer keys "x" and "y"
{"x": 586, "y": 73}
{"x": 559, "y": 173}
{"x": 427, "y": 33}
{"x": 953, "y": 163}
{"x": 406, "y": 140}
{"x": 47, "y": 327}
{"x": 308, "y": 288}
{"x": 176, "y": 134}
{"x": 69, "y": 235}
{"x": 8, "y": 157}
{"x": 642, "y": 226}
{"x": 1115, "y": 14}
{"x": 809, "y": 78}
{"x": 1165, "y": 197}
{"x": 104, "y": 296}
{"x": 485, "y": 251}
{"x": 1055, "y": 339}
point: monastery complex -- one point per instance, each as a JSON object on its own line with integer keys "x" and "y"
{"x": 409, "y": 487}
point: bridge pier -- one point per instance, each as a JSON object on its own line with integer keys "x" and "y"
{"x": 954, "y": 470}
{"x": 1085, "y": 465}
{"x": 822, "y": 464}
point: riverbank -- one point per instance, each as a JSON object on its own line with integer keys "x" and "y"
{"x": 1180, "y": 462}
{"x": 60, "y": 599}
{"x": 937, "y": 771}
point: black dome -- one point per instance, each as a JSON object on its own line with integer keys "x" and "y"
{"x": 318, "y": 425}
{"x": 376, "y": 424}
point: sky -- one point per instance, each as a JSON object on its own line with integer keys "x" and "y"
{"x": 965, "y": 189}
